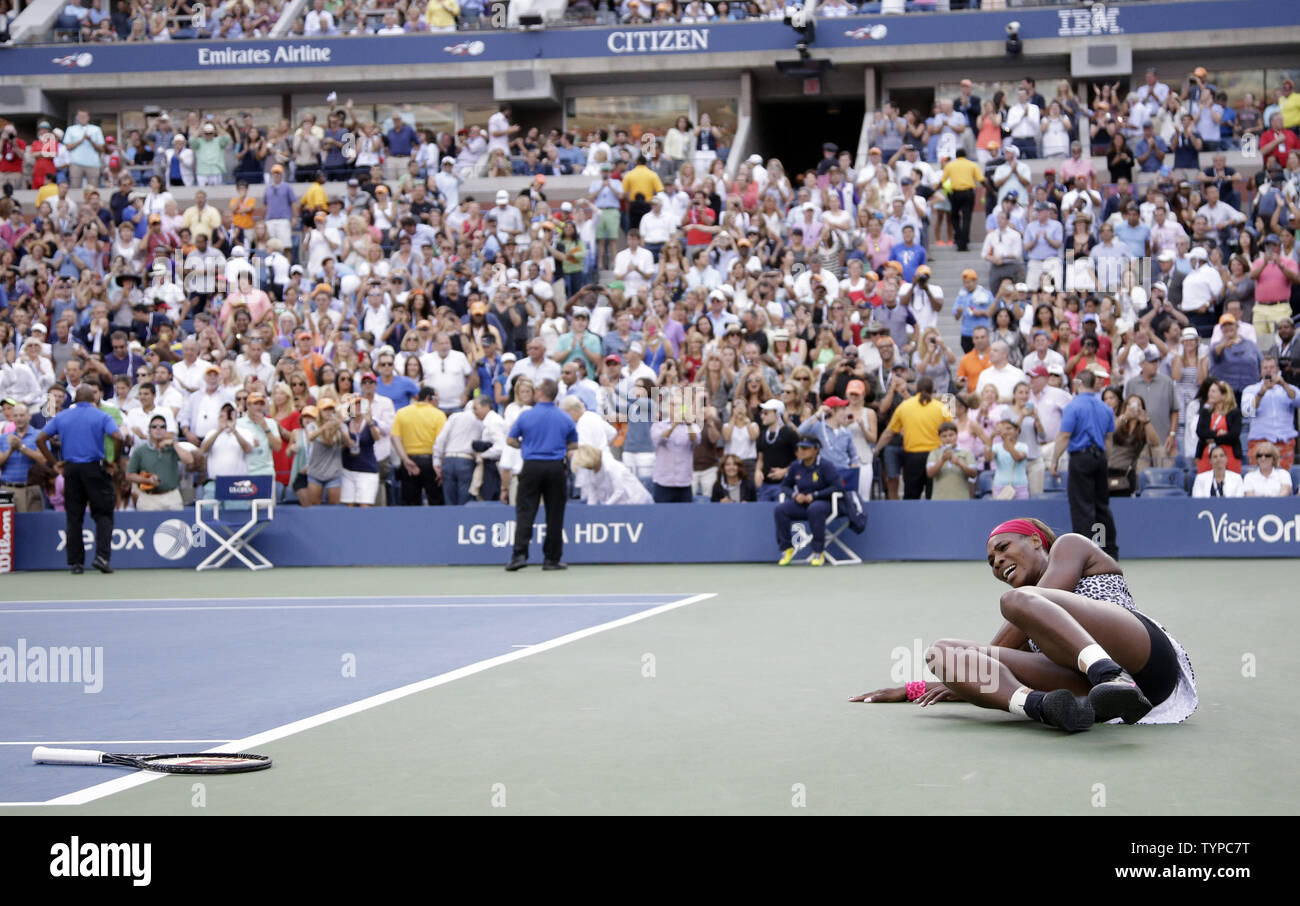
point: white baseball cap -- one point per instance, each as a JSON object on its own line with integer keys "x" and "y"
{"x": 503, "y": 197}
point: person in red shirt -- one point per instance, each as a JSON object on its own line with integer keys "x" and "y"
{"x": 1277, "y": 141}
{"x": 701, "y": 220}
{"x": 12, "y": 149}
{"x": 1090, "y": 330}
{"x": 45, "y": 148}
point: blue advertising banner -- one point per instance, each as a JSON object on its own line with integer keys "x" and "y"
{"x": 664, "y": 533}
{"x": 1091, "y": 20}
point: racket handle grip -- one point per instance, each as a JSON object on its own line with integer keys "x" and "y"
{"x": 44, "y": 755}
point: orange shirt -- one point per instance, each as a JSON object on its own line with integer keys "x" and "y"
{"x": 970, "y": 367}
{"x": 241, "y": 212}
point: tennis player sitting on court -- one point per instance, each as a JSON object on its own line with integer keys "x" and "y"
{"x": 1074, "y": 650}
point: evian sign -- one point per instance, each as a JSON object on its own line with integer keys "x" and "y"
{"x": 1268, "y": 529}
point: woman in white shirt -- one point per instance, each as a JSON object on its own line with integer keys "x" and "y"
{"x": 1219, "y": 480}
{"x": 511, "y": 458}
{"x": 551, "y": 326}
{"x": 369, "y": 143}
{"x": 155, "y": 201}
{"x": 679, "y": 141}
{"x": 128, "y": 248}
{"x": 1056, "y": 133}
{"x": 1268, "y": 480}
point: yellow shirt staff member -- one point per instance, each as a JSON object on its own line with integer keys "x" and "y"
{"x": 918, "y": 420}
{"x": 960, "y": 177}
{"x": 415, "y": 430}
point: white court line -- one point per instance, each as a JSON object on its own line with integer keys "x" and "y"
{"x": 478, "y": 605}
{"x": 109, "y": 742}
{"x": 445, "y": 598}
{"x": 248, "y": 744}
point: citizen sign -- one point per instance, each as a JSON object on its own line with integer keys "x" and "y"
{"x": 1269, "y": 528}
{"x": 664, "y": 40}
{"x": 261, "y": 56}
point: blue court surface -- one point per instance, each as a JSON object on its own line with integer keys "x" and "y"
{"x": 195, "y": 674}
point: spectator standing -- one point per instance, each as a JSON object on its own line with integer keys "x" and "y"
{"x": 415, "y": 431}
{"x": 917, "y": 419}
{"x": 1160, "y": 398}
{"x": 210, "y": 153}
{"x": 18, "y": 450}
{"x": 1234, "y": 360}
{"x": 154, "y": 467}
{"x": 1084, "y": 426}
{"x": 453, "y": 452}
{"x": 675, "y": 439}
{"x": 1271, "y": 405}
{"x": 543, "y": 434}
{"x": 85, "y": 143}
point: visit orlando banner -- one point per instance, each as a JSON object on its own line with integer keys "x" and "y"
{"x": 1086, "y": 21}
{"x": 665, "y": 533}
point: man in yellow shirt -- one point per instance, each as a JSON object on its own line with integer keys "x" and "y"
{"x": 415, "y": 430}
{"x": 644, "y": 182}
{"x": 315, "y": 199}
{"x": 201, "y": 218}
{"x": 918, "y": 420}
{"x": 960, "y": 177}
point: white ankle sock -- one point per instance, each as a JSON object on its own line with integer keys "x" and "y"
{"x": 1017, "y": 704}
{"x": 1091, "y": 655}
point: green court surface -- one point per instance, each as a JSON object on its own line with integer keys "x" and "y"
{"x": 736, "y": 704}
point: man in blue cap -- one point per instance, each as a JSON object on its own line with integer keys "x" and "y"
{"x": 808, "y": 487}
{"x": 81, "y": 430}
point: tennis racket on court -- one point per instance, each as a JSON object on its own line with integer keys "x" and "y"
{"x": 194, "y": 763}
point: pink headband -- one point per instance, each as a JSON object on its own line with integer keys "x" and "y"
{"x": 1021, "y": 527}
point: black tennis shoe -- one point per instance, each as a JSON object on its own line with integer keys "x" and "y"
{"x": 102, "y": 565}
{"x": 1066, "y": 711}
{"x": 516, "y": 563}
{"x": 77, "y": 569}
{"x": 1119, "y": 697}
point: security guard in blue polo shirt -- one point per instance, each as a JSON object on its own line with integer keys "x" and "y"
{"x": 1085, "y": 423}
{"x": 81, "y": 430}
{"x": 544, "y": 435}
{"x": 808, "y": 487}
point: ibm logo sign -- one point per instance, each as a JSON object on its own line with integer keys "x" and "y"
{"x": 1095, "y": 20}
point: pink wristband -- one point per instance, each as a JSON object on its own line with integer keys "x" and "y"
{"x": 915, "y": 690}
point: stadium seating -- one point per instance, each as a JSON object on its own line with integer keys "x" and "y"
{"x": 1053, "y": 485}
{"x": 1162, "y": 483}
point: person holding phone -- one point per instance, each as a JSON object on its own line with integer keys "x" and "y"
{"x": 226, "y": 448}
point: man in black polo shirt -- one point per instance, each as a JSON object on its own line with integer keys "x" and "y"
{"x": 777, "y": 447}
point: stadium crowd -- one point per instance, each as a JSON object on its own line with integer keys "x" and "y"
{"x": 176, "y": 20}
{"x": 372, "y": 340}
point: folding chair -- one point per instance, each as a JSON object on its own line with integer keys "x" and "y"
{"x": 235, "y": 532}
{"x": 838, "y": 553}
